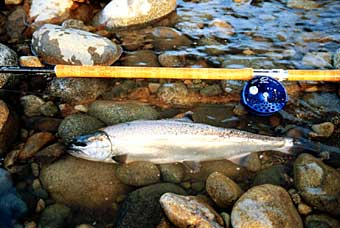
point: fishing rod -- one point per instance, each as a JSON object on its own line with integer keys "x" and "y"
{"x": 262, "y": 95}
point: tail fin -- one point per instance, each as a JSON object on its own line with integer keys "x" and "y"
{"x": 316, "y": 148}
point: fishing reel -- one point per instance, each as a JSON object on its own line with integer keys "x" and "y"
{"x": 264, "y": 95}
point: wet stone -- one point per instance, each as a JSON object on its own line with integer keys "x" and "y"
{"x": 50, "y": 153}
{"x": 75, "y": 24}
{"x": 138, "y": 173}
{"x": 319, "y": 60}
{"x": 172, "y": 93}
{"x": 77, "y": 90}
{"x": 238, "y": 61}
{"x": 30, "y": 61}
{"x": 165, "y": 38}
{"x": 112, "y": 112}
{"x": 34, "y": 144}
{"x": 336, "y": 59}
{"x": 15, "y": 26}
{"x": 73, "y": 125}
{"x": 302, "y": 4}
{"x": 141, "y": 208}
{"x": 49, "y": 109}
{"x": 51, "y": 43}
{"x": 172, "y": 59}
{"x": 186, "y": 211}
{"x": 8, "y": 128}
{"x": 275, "y": 175}
{"x": 221, "y": 29}
{"x": 265, "y": 206}
{"x": 321, "y": 221}
{"x": 91, "y": 187}
{"x": 7, "y": 58}
{"x": 325, "y": 129}
{"x": 31, "y": 105}
{"x": 13, "y": 2}
{"x": 52, "y": 11}
{"x": 222, "y": 189}
{"x": 317, "y": 183}
{"x": 143, "y": 58}
{"x": 212, "y": 90}
{"x": 43, "y": 124}
{"x": 172, "y": 173}
{"x": 55, "y": 216}
{"x": 123, "y": 13}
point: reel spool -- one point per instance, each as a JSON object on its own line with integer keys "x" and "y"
{"x": 264, "y": 95}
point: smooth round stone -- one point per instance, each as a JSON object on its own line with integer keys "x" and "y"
{"x": 77, "y": 90}
{"x": 172, "y": 93}
{"x": 8, "y": 57}
{"x": 265, "y": 206}
{"x": 321, "y": 221}
{"x": 145, "y": 58}
{"x": 122, "y": 13}
{"x": 8, "y": 128}
{"x": 336, "y": 59}
{"x": 275, "y": 175}
{"x": 320, "y": 60}
{"x": 318, "y": 184}
{"x": 51, "y": 11}
{"x": 55, "y": 215}
{"x": 58, "y": 45}
{"x": 112, "y": 112}
{"x": 138, "y": 173}
{"x": 212, "y": 90}
{"x": 172, "y": 173}
{"x": 172, "y": 59}
{"x": 223, "y": 190}
{"x": 31, "y": 105}
{"x": 325, "y": 129}
{"x": 73, "y": 125}
{"x": 166, "y": 38}
{"x": 187, "y": 211}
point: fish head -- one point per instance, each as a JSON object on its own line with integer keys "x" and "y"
{"x": 96, "y": 147}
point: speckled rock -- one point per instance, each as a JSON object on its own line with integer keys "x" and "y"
{"x": 265, "y": 206}
{"x": 77, "y": 90}
{"x": 336, "y": 59}
{"x": 8, "y": 127}
{"x": 302, "y": 4}
{"x": 222, "y": 189}
{"x": 166, "y": 38}
{"x": 186, "y": 211}
{"x": 84, "y": 185}
{"x": 112, "y": 112}
{"x": 172, "y": 173}
{"x": 317, "y": 183}
{"x": 139, "y": 173}
{"x": 172, "y": 93}
{"x": 55, "y": 216}
{"x": 172, "y": 59}
{"x": 52, "y": 44}
{"x": 318, "y": 59}
{"x": 50, "y": 11}
{"x": 212, "y": 90}
{"x": 321, "y": 221}
{"x": 7, "y": 58}
{"x": 275, "y": 175}
{"x": 143, "y": 58}
{"x": 31, "y": 105}
{"x": 73, "y": 125}
{"x": 49, "y": 109}
{"x": 141, "y": 208}
{"x": 122, "y": 13}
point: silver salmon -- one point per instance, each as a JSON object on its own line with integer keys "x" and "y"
{"x": 168, "y": 141}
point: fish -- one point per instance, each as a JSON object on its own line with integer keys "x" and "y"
{"x": 181, "y": 140}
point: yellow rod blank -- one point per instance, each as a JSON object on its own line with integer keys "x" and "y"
{"x": 64, "y": 71}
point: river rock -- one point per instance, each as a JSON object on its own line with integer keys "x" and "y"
{"x": 31, "y": 105}
{"x": 320, "y": 221}
{"x": 49, "y": 11}
{"x": 318, "y": 59}
{"x": 222, "y": 189}
{"x": 165, "y": 38}
{"x": 323, "y": 102}
{"x": 77, "y": 90}
{"x": 265, "y": 206}
{"x": 141, "y": 208}
{"x": 8, "y": 127}
{"x": 55, "y": 216}
{"x": 172, "y": 173}
{"x": 84, "y": 185}
{"x": 52, "y": 44}
{"x": 73, "y": 125}
{"x": 138, "y": 173}
{"x": 172, "y": 59}
{"x": 302, "y": 4}
{"x": 50, "y": 153}
{"x": 7, "y": 58}
{"x": 143, "y": 58}
{"x": 34, "y": 144}
{"x": 122, "y": 13}
{"x": 211, "y": 90}
{"x": 317, "y": 183}
{"x": 336, "y": 59}
{"x": 15, "y": 25}
{"x": 186, "y": 211}
{"x": 172, "y": 93}
{"x": 275, "y": 175}
{"x": 112, "y": 112}
{"x": 325, "y": 129}
{"x": 13, "y": 2}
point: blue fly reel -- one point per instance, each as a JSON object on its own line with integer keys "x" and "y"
{"x": 264, "y": 95}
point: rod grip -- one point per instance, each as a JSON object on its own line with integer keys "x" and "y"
{"x": 64, "y": 71}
